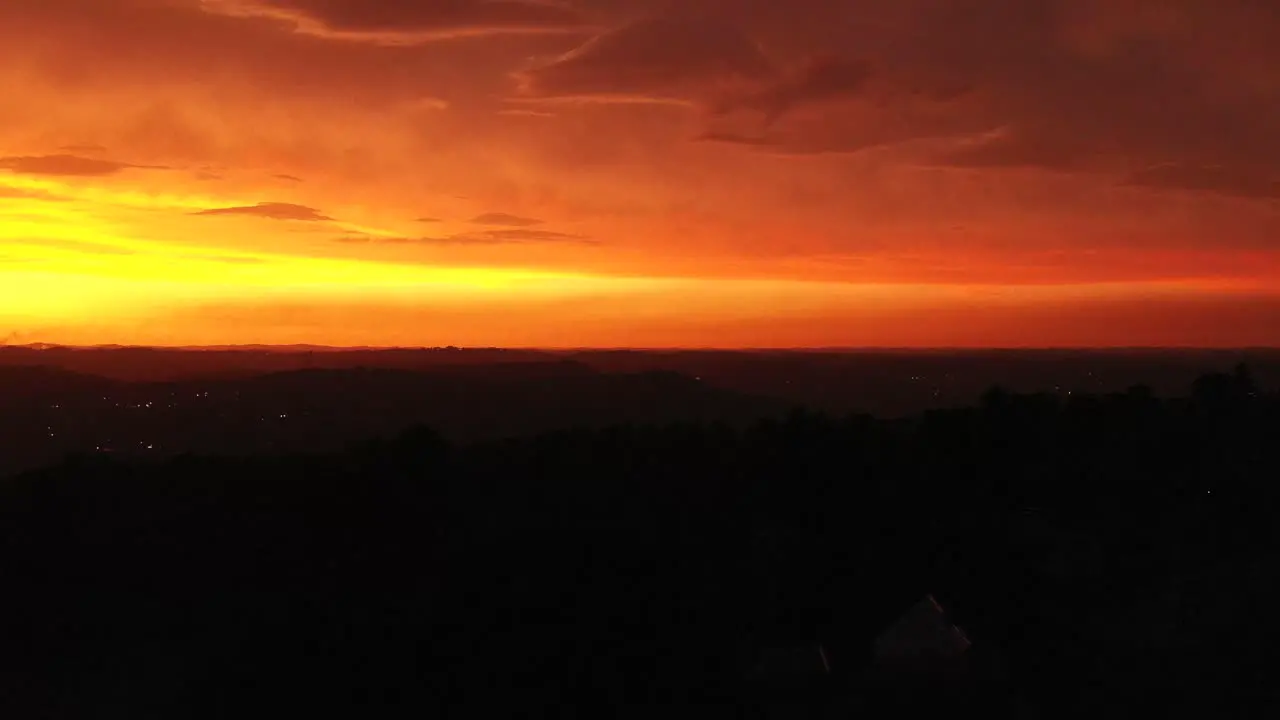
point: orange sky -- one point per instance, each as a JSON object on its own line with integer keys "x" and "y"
{"x": 642, "y": 173}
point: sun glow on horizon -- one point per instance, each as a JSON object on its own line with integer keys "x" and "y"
{"x": 82, "y": 264}
{"x": 174, "y": 173}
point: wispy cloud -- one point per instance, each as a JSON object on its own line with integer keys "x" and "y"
{"x": 272, "y": 211}
{"x": 84, "y": 149}
{"x": 1238, "y": 182}
{"x": 818, "y": 79}
{"x": 408, "y": 21}
{"x": 68, "y": 165}
{"x": 90, "y": 248}
{"x": 522, "y": 235}
{"x": 522, "y": 112}
{"x": 225, "y": 259}
{"x": 16, "y": 193}
{"x": 736, "y": 139}
{"x": 505, "y": 219}
{"x": 660, "y": 58}
{"x": 475, "y": 239}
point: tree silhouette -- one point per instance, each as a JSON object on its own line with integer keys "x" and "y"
{"x": 1098, "y": 551}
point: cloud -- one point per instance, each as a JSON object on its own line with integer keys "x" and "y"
{"x": 518, "y": 236}
{"x": 68, "y": 165}
{"x": 79, "y": 54}
{"x": 817, "y": 79}
{"x": 226, "y": 259}
{"x": 90, "y": 248}
{"x": 919, "y": 127}
{"x": 15, "y": 193}
{"x": 409, "y": 20}
{"x": 273, "y": 211}
{"x": 1090, "y": 85}
{"x": 702, "y": 59}
{"x": 1238, "y": 182}
{"x": 1085, "y": 86}
{"x": 428, "y": 220}
{"x": 86, "y": 149}
{"x": 525, "y": 112}
{"x": 500, "y": 218}
{"x": 1005, "y": 148}
{"x": 427, "y": 104}
{"x": 734, "y": 138}
{"x": 658, "y": 58}
{"x": 290, "y": 178}
{"x": 714, "y": 62}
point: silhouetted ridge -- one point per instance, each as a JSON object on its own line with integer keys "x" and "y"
{"x": 29, "y": 380}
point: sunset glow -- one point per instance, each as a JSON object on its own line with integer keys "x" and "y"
{"x": 628, "y": 173}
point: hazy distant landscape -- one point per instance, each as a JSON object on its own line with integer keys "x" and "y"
{"x": 155, "y": 402}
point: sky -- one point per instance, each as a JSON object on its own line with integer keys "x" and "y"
{"x": 701, "y": 173}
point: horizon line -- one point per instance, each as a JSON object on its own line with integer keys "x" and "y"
{"x": 303, "y": 347}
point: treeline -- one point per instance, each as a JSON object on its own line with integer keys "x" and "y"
{"x": 1102, "y": 553}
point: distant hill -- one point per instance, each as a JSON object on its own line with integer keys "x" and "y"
{"x": 141, "y": 364}
{"x": 55, "y": 400}
{"x": 49, "y": 412}
{"x": 26, "y": 380}
{"x": 881, "y": 382}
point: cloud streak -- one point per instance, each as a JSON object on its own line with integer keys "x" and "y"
{"x": 83, "y": 149}
{"x": 66, "y": 165}
{"x": 408, "y": 21}
{"x": 658, "y": 58}
{"x": 226, "y": 259}
{"x": 77, "y": 246}
{"x": 817, "y": 79}
{"x": 1238, "y": 182}
{"x": 271, "y": 211}
{"x": 524, "y": 235}
{"x": 14, "y": 193}
{"x": 482, "y": 238}
{"x": 505, "y": 219}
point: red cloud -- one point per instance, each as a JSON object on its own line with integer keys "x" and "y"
{"x": 410, "y": 18}
{"x": 656, "y": 58}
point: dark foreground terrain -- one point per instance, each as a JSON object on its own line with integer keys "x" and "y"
{"x": 1105, "y": 554}
{"x": 158, "y": 403}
